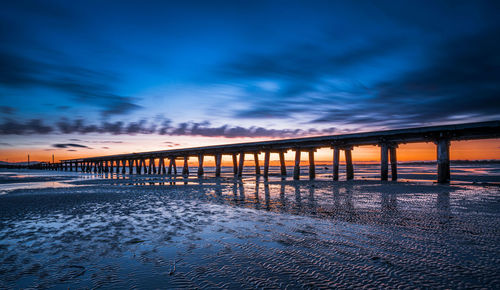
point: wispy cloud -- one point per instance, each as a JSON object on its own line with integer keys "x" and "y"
{"x": 69, "y": 145}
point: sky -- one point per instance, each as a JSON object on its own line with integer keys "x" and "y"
{"x": 90, "y": 78}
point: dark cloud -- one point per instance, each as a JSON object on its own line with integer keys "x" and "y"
{"x": 7, "y": 110}
{"x": 33, "y": 126}
{"x": 69, "y": 145}
{"x": 460, "y": 81}
{"x": 5, "y": 144}
{"x": 205, "y": 129}
{"x": 171, "y": 144}
{"x": 108, "y": 142}
{"x": 85, "y": 86}
{"x": 456, "y": 79}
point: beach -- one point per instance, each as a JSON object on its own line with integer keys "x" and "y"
{"x": 78, "y": 230}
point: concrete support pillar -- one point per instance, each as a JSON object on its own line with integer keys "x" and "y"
{"x": 443, "y": 160}
{"x": 218, "y": 162}
{"x": 152, "y": 166}
{"x": 235, "y": 164}
{"x": 160, "y": 162}
{"x": 144, "y": 166}
{"x": 267, "y": 156}
{"x": 139, "y": 168}
{"x": 336, "y": 162}
{"x": 282, "y": 163}
{"x": 185, "y": 169}
{"x": 348, "y": 163}
{"x": 161, "y": 166}
{"x": 170, "y": 164}
{"x": 241, "y": 165}
{"x": 111, "y": 169}
{"x": 96, "y": 167}
{"x": 257, "y": 166}
{"x": 394, "y": 163}
{"x": 200, "y": 164}
{"x": 130, "y": 166}
{"x": 384, "y": 158}
{"x": 174, "y": 164}
{"x": 312, "y": 166}
{"x": 296, "y": 168}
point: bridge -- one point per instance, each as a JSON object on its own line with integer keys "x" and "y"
{"x": 145, "y": 162}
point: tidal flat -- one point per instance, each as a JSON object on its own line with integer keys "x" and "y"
{"x": 93, "y": 231}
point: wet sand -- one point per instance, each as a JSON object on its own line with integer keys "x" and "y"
{"x": 148, "y": 232}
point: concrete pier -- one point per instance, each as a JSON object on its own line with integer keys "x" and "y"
{"x": 257, "y": 166}
{"x": 443, "y": 160}
{"x": 296, "y": 168}
{"x": 336, "y": 162}
{"x": 387, "y": 140}
{"x": 348, "y": 163}
{"x": 218, "y": 164}
{"x": 200, "y": 165}
{"x": 384, "y": 158}
{"x": 267, "y": 156}
{"x": 241, "y": 164}
{"x": 185, "y": 168}
{"x": 235, "y": 164}
{"x": 394, "y": 162}
{"x": 282, "y": 163}
{"x": 312, "y": 166}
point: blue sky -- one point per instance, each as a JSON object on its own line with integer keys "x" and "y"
{"x": 239, "y": 69}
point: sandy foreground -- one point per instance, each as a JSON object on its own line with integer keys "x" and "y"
{"x": 148, "y": 232}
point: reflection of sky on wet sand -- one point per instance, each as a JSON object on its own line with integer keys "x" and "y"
{"x": 229, "y": 233}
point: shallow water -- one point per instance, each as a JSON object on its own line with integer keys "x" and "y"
{"x": 146, "y": 232}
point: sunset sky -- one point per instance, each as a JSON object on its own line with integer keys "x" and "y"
{"x": 89, "y": 78}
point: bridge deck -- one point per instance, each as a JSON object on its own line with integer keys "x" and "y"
{"x": 468, "y": 131}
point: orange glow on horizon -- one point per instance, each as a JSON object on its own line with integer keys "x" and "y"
{"x": 459, "y": 150}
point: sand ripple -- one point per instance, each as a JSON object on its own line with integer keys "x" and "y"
{"x": 231, "y": 234}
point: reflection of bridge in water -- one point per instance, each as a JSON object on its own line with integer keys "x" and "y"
{"x": 352, "y": 202}
{"x": 155, "y": 162}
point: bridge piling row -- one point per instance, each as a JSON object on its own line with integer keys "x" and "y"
{"x": 388, "y": 141}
